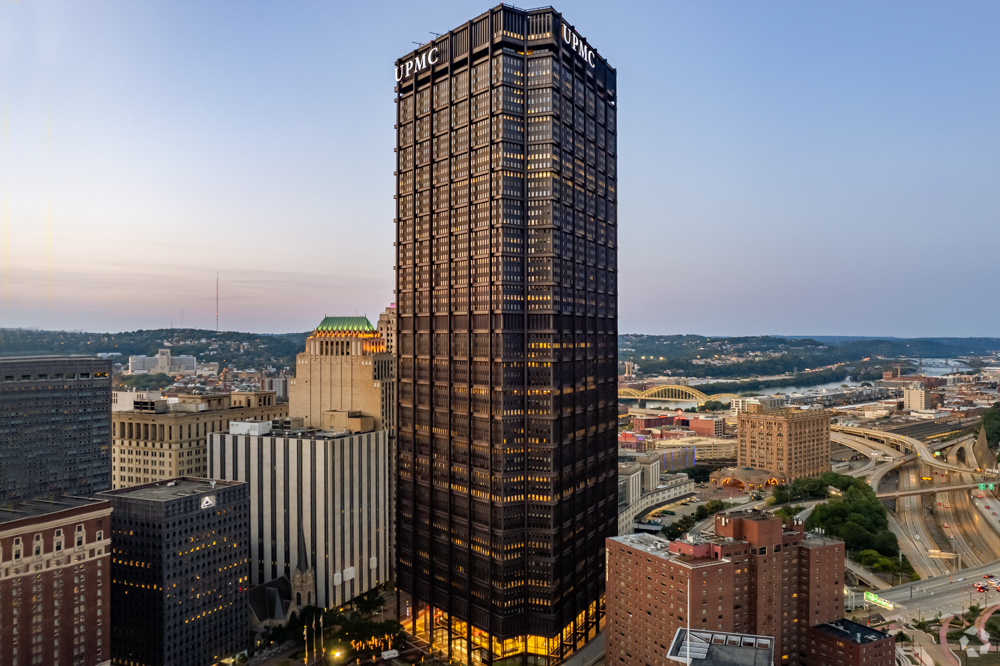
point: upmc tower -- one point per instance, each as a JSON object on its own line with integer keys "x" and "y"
{"x": 507, "y": 288}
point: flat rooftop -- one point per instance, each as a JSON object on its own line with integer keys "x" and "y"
{"x": 814, "y": 540}
{"x": 658, "y": 547}
{"x": 37, "y": 508}
{"x": 10, "y": 360}
{"x": 847, "y": 630}
{"x": 717, "y": 648}
{"x": 171, "y": 489}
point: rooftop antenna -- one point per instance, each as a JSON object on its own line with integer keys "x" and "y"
{"x": 436, "y": 34}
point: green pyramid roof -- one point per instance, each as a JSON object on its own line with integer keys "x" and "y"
{"x": 346, "y": 324}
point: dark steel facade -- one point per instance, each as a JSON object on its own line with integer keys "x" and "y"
{"x": 179, "y": 572}
{"x": 506, "y": 284}
{"x": 55, "y": 427}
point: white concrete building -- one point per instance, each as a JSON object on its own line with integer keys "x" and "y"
{"x": 124, "y": 401}
{"x": 332, "y": 486}
{"x": 767, "y": 402}
{"x": 162, "y": 363}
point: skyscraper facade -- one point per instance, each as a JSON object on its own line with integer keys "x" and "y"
{"x": 179, "y": 572}
{"x": 55, "y": 427}
{"x": 506, "y": 343}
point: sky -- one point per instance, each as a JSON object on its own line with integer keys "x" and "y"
{"x": 788, "y": 167}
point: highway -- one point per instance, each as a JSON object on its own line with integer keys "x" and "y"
{"x": 888, "y": 441}
{"x": 944, "y": 594}
{"x": 981, "y": 536}
{"x": 914, "y": 539}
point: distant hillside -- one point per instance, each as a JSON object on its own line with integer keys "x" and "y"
{"x": 924, "y": 347}
{"x": 245, "y": 350}
{"x": 700, "y": 356}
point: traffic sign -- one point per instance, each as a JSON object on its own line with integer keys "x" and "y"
{"x": 982, "y": 486}
{"x": 871, "y": 597}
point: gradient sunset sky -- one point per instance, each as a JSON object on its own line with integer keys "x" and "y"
{"x": 785, "y": 167}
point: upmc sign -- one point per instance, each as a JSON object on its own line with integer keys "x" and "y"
{"x": 420, "y": 63}
{"x": 578, "y": 45}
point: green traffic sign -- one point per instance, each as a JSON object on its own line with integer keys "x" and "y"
{"x": 982, "y": 486}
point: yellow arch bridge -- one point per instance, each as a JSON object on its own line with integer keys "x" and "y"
{"x": 674, "y": 393}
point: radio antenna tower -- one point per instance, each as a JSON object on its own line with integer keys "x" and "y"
{"x": 216, "y": 301}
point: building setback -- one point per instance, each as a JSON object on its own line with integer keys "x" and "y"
{"x": 156, "y": 441}
{"x": 788, "y": 443}
{"x": 756, "y": 575}
{"x": 55, "y": 583}
{"x": 179, "y": 572}
{"x": 506, "y": 280}
{"x": 327, "y": 493}
{"x": 55, "y": 427}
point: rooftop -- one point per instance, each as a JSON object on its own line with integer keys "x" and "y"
{"x": 847, "y": 630}
{"x": 51, "y": 357}
{"x": 165, "y": 491}
{"x": 711, "y": 648}
{"x": 36, "y": 508}
{"x": 345, "y": 325}
{"x": 659, "y": 546}
{"x": 815, "y": 540}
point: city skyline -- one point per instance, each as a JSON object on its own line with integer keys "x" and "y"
{"x": 169, "y": 143}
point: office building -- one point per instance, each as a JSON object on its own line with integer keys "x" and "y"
{"x": 847, "y": 643}
{"x": 706, "y": 449}
{"x": 55, "y": 427}
{"x": 126, "y": 401}
{"x": 163, "y": 363}
{"x": 319, "y": 506}
{"x": 179, "y": 572}
{"x": 277, "y": 384}
{"x": 386, "y": 328}
{"x": 702, "y": 426}
{"x": 506, "y": 237}
{"x": 635, "y": 500}
{"x": 764, "y": 402}
{"x": 788, "y": 443}
{"x": 161, "y": 439}
{"x": 55, "y": 573}
{"x": 755, "y": 575}
{"x": 916, "y": 398}
{"x": 334, "y": 377}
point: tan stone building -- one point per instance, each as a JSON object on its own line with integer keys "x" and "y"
{"x": 916, "y": 398}
{"x": 162, "y": 439}
{"x": 789, "y": 443}
{"x": 335, "y": 386}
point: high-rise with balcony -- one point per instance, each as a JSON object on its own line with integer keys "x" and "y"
{"x": 506, "y": 227}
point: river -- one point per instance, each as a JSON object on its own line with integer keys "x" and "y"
{"x": 933, "y": 367}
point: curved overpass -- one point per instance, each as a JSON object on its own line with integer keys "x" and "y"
{"x": 901, "y": 444}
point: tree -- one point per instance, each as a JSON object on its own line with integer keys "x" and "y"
{"x": 369, "y": 603}
{"x": 886, "y": 543}
{"x": 855, "y": 536}
{"x": 991, "y": 422}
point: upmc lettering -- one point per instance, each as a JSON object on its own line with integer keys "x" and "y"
{"x": 417, "y": 64}
{"x": 578, "y": 45}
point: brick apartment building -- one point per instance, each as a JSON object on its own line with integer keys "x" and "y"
{"x": 755, "y": 575}
{"x": 847, "y": 643}
{"x": 55, "y": 577}
{"x": 788, "y": 443}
